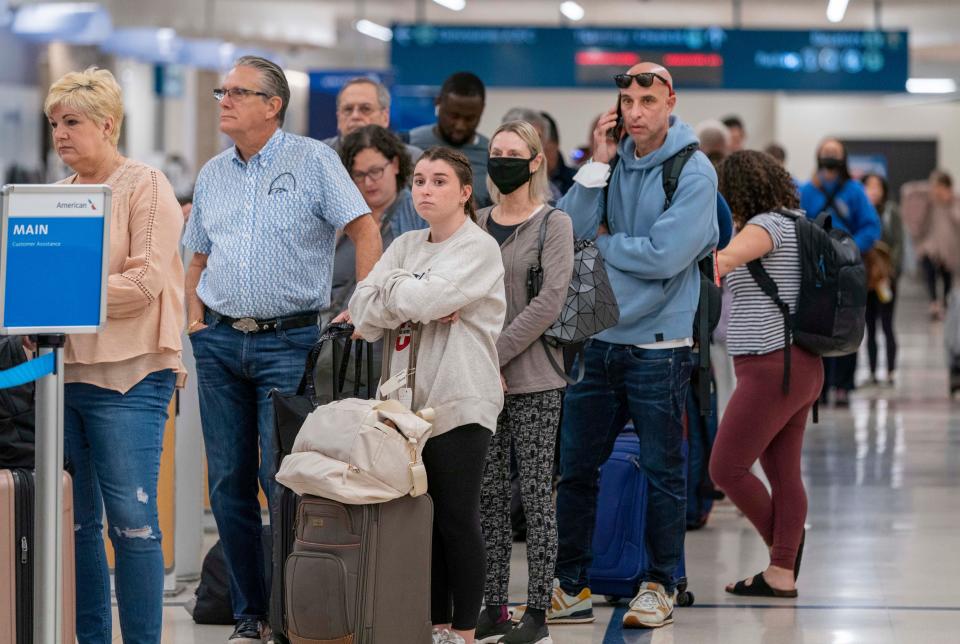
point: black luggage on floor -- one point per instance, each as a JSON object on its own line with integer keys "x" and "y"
{"x": 290, "y": 410}
{"x": 211, "y": 603}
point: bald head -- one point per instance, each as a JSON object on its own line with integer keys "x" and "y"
{"x": 646, "y": 104}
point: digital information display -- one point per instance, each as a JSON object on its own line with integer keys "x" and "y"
{"x": 698, "y": 58}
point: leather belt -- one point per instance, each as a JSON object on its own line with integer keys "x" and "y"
{"x": 252, "y": 325}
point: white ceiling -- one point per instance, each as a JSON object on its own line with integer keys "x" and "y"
{"x": 314, "y": 33}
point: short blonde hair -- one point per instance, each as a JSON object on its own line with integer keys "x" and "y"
{"x": 539, "y": 182}
{"x": 94, "y": 93}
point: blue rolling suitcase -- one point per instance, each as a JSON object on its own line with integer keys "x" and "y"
{"x": 619, "y": 553}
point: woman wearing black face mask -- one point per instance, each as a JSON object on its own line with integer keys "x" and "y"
{"x": 832, "y": 192}
{"x": 518, "y": 183}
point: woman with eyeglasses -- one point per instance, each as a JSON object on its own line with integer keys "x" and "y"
{"x": 378, "y": 163}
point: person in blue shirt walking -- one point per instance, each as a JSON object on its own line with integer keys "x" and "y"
{"x": 639, "y": 369}
{"x": 263, "y": 228}
{"x": 832, "y": 191}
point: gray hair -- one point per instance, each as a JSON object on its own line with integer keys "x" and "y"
{"x": 273, "y": 79}
{"x": 714, "y": 136}
{"x": 532, "y": 117}
{"x": 383, "y": 94}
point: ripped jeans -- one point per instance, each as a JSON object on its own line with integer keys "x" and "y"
{"x": 113, "y": 442}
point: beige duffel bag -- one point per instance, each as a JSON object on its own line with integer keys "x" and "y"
{"x": 359, "y": 451}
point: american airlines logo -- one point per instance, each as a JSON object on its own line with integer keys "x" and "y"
{"x": 30, "y": 229}
{"x": 75, "y": 204}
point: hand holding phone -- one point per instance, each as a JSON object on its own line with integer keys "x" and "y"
{"x": 608, "y": 125}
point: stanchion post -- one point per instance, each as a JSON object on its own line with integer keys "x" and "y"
{"x": 48, "y": 513}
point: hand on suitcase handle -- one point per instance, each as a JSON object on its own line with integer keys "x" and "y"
{"x": 344, "y": 318}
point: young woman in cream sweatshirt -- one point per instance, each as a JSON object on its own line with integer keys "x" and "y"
{"x": 446, "y": 281}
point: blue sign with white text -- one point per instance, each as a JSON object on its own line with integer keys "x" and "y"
{"x": 53, "y": 271}
{"x": 698, "y": 57}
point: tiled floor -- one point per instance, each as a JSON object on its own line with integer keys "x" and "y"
{"x": 881, "y": 562}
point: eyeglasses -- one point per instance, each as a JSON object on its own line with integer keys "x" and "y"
{"x": 644, "y": 79}
{"x": 236, "y": 93}
{"x": 375, "y": 174}
{"x": 365, "y": 109}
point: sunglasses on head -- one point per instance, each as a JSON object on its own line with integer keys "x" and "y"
{"x": 644, "y": 79}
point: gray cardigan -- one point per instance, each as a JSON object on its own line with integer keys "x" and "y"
{"x": 523, "y": 359}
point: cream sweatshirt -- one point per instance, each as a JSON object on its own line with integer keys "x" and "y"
{"x": 458, "y": 372}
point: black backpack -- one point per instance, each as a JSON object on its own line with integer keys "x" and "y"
{"x": 831, "y": 308}
{"x": 16, "y": 410}
{"x": 709, "y": 304}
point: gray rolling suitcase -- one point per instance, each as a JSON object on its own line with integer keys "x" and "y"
{"x": 360, "y": 574}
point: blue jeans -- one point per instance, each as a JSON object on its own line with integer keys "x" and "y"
{"x": 235, "y": 374}
{"x": 113, "y": 441}
{"x": 623, "y": 382}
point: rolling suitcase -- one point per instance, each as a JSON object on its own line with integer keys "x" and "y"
{"x": 290, "y": 411}
{"x": 17, "y": 555}
{"x": 360, "y": 574}
{"x": 619, "y": 551}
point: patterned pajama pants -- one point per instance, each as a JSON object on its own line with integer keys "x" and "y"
{"x": 529, "y": 423}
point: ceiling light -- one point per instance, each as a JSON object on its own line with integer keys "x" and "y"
{"x": 372, "y": 29}
{"x": 572, "y": 10}
{"x": 931, "y": 86}
{"x": 453, "y": 5}
{"x": 836, "y": 9}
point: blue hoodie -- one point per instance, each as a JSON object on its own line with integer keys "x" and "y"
{"x": 853, "y": 212}
{"x": 651, "y": 253}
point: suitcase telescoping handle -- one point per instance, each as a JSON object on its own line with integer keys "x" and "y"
{"x": 332, "y": 333}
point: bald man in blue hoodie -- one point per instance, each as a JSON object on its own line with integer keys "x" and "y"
{"x": 640, "y": 369}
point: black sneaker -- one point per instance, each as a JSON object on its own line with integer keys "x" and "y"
{"x": 526, "y": 631}
{"x": 248, "y": 631}
{"x": 489, "y": 633}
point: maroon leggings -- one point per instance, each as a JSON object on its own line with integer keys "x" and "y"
{"x": 762, "y": 422}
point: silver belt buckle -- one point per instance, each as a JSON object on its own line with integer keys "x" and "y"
{"x": 246, "y": 325}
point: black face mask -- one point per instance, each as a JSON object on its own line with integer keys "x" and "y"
{"x": 508, "y": 173}
{"x": 829, "y": 163}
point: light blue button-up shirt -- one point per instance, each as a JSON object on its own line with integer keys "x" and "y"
{"x": 269, "y": 227}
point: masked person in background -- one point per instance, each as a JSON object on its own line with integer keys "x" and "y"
{"x": 831, "y": 191}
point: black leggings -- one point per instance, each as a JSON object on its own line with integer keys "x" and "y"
{"x": 455, "y": 462}
{"x": 931, "y": 270}
{"x": 884, "y": 311}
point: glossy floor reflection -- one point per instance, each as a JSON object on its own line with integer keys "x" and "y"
{"x": 880, "y": 564}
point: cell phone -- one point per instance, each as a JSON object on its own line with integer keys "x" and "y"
{"x": 617, "y": 130}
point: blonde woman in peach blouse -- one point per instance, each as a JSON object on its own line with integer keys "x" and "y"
{"x": 120, "y": 381}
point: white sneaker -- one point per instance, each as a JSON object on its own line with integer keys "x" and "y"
{"x": 564, "y": 608}
{"x": 446, "y": 636}
{"x": 651, "y": 608}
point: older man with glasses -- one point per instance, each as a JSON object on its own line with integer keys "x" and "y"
{"x": 263, "y": 228}
{"x": 363, "y": 101}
